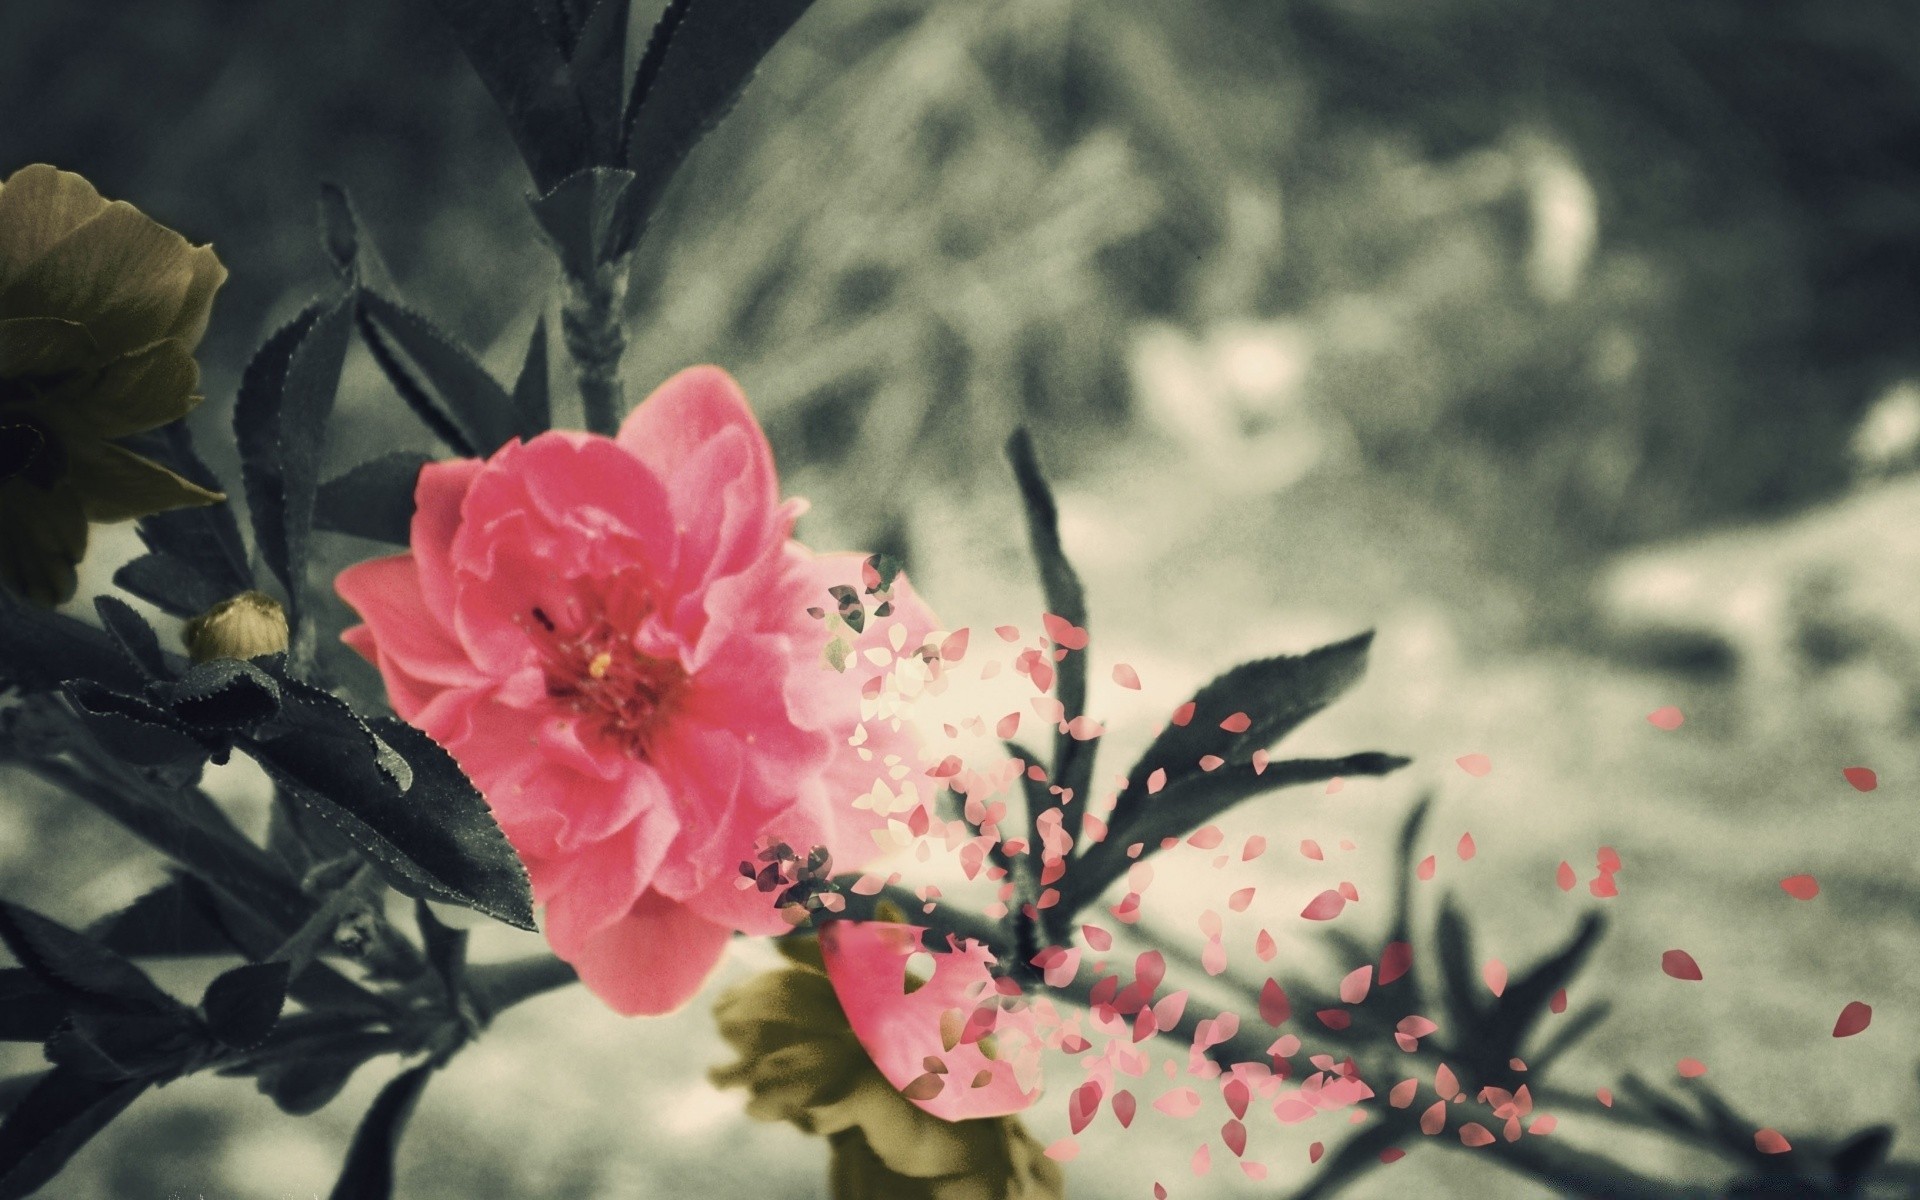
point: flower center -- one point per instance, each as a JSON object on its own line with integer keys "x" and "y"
{"x": 598, "y": 673}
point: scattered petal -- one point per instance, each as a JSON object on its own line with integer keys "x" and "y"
{"x": 1800, "y": 887}
{"x": 1126, "y": 676}
{"x": 1237, "y": 723}
{"x": 1853, "y": 1018}
{"x": 1668, "y": 718}
{"x": 1769, "y": 1141}
{"x": 1862, "y": 778}
{"x": 1476, "y": 765}
{"x": 1495, "y": 975}
{"x": 1324, "y": 907}
{"x": 1466, "y": 849}
{"x": 1475, "y": 1134}
{"x": 1691, "y": 1068}
{"x": 1680, "y": 965}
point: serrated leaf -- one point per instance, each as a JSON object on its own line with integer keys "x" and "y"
{"x": 597, "y": 63}
{"x": 368, "y": 1173}
{"x": 353, "y": 255}
{"x": 29, "y": 1010}
{"x": 474, "y": 399}
{"x": 532, "y": 405}
{"x": 375, "y": 499}
{"x": 178, "y": 919}
{"x": 133, "y": 635}
{"x": 280, "y": 422}
{"x": 583, "y": 217}
{"x": 701, "y": 58}
{"x": 41, "y": 649}
{"x": 242, "y": 1005}
{"x": 205, "y": 540}
{"x": 169, "y": 584}
{"x": 1276, "y": 695}
{"x": 225, "y": 696}
{"x": 114, "y": 1046}
{"x": 132, "y": 729}
{"x": 76, "y": 966}
{"x": 438, "y": 841}
{"x": 528, "y": 76}
{"x": 50, "y": 1124}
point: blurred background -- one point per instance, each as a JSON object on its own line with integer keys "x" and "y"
{"x": 1574, "y": 347}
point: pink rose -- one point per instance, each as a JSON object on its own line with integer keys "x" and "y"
{"x": 611, "y": 635}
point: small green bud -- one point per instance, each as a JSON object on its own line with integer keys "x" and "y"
{"x": 247, "y": 626}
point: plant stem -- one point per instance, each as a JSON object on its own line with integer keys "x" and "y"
{"x": 592, "y": 321}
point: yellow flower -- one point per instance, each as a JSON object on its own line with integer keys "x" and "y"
{"x": 246, "y": 626}
{"x": 100, "y": 310}
{"x": 800, "y": 1062}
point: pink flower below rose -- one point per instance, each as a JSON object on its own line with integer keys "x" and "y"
{"x": 611, "y": 635}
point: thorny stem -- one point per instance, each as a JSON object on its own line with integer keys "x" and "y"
{"x": 592, "y": 320}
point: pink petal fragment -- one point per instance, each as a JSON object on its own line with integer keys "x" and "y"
{"x": 1495, "y": 975}
{"x": 1767, "y": 1141}
{"x": 1424, "y": 871}
{"x": 1324, "y": 907}
{"x": 1691, "y": 1068}
{"x": 1680, "y": 965}
{"x": 1862, "y": 778}
{"x": 1434, "y": 1119}
{"x": 1475, "y": 1134}
{"x": 1476, "y": 765}
{"x": 1853, "y": 1018}
{"x": 1241, "y": 900}
{"x": 1183, "y": 714}
{"x": 1126, "y": 676}
{"x": 1237, "y": 723}
{"x": 1396, "y": 960}
{"x": 1156, "y": 781}
{"x": 1064, "y": 1150}
{"x": 1466, "y": 849}
{"x": 1311, "y": 849}
{"x": 1354, "y": 988}
{"x": 1668, "y": 718}
{"x": 1800, "y": 887}
{"x": 1565, "y": 877}
{"x": 1275, "y": 1008}
{"x": 1181, "y": 1102}
{"x": 1401, "y": 1094}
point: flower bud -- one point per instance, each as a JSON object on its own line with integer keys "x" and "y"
{"x": 246, "y": 626}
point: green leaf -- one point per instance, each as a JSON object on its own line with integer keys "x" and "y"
{"x": 375, "y": 499}
{"x": 1072, "y": 758}
{"x": 29, "y": 1010}
{"x": 178, "y": 919}
{"x": 446, "y": 948}
{"x": 40, "y": 649}
{"x": 436, "y": 840}
{"x": 205, "y": 540}
{"x": 354, "y": 256}
{"x": 225, "y": 696}
{"x": 1276, "y": 694}
{"x": 1855, "y": 1162}
{"x": 170, "y": 584}
{"x": 1520, "y": 1007}
{"x": 110, "y": 1046}
{"x": 368, "y": 1174}
{"x": 133, "y": 730}
{"x": 702, "y": 56}
{"x": 597, "y": 63}
{"x": 527, "y": 74}
{"x": 1197, "y": 800}
{"x": 134, "y": 636}
{"x": 76, "y": 966}
{"x": 583, "y": 218}
{"x": 306, "y": 1080}
{"x": 280, "y": 424}
{"x": 50, "y": 1124}
{"x": 1458, "y": 974}
{"x": 532, "y": 406}
{"x": 242, "y": 1005}
{"x": 473, "y": 399}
